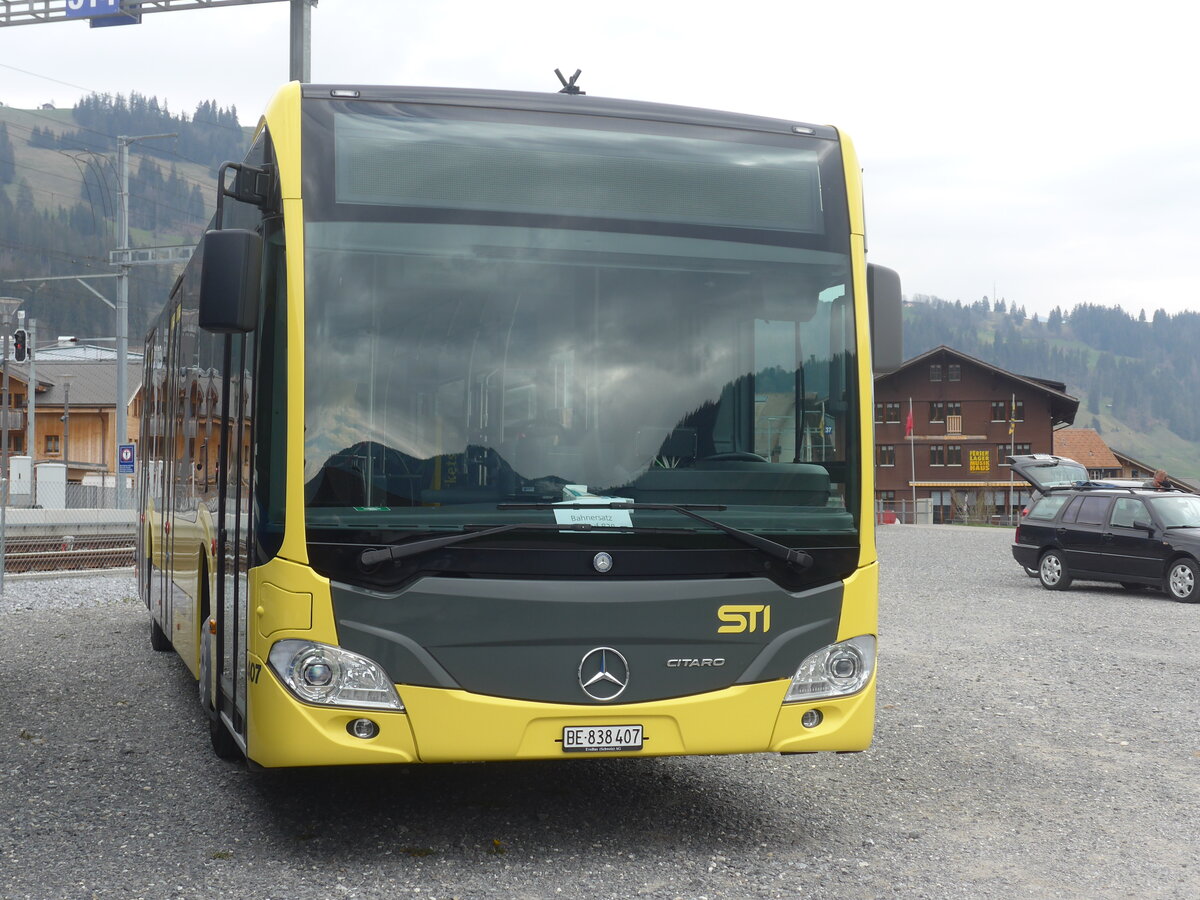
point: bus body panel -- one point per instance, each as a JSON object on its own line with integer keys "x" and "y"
{"x": 295, "y": 546}
{"x": 866, "y": 380}
{"x": 282, "y": 731}
{"x": 526, "y": 639}
{"x": 860, "y": 608}
{"x": 847, "y": 725}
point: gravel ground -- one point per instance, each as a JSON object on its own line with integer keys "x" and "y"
{"x": 1029, "y": 744}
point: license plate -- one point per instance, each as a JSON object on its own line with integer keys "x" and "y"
{"x": 601, "y": 738}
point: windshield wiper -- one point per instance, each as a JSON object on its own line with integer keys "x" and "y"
{"x": 401, "y": 551}
{"x": 797, "y": 559}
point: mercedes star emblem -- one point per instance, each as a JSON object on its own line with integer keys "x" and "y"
{"x": 603, "y": 674}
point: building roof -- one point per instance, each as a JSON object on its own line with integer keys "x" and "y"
{"x": 92, "y": 352}
{"x": 1086, "y": 447}
{"x": 94, "y": 383}
{"x": 1185, "y": 483}
{"x": 1062, "y": 405}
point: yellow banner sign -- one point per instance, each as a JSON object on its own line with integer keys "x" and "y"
{"x": 981, "y": 460}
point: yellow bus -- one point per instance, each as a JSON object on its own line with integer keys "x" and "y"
{"x": 487, "y": 425}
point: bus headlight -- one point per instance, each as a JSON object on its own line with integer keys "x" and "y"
{"x": 331, "y": 676}
{"x": 834, "y": 671}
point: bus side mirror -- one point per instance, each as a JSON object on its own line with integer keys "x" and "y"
{"x": 887, "y": 326}
{"x": 230, "y": 277}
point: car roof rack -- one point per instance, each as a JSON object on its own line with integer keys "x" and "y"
{"x": 1109, "y": 486}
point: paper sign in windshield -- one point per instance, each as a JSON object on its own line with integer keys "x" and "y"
{"x": 578, "y": 495}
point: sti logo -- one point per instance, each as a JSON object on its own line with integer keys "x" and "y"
{"x": 742, "y": 618}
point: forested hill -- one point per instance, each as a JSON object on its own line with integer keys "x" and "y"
{"x": 60, "y": 201}
{"x": 1137, "y": 377}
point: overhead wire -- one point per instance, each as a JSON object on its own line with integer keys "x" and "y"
{"x": 70, "y": 257}
{"x": 158, "y": 150}
{"x": 88, "y": 261}
{"x": 83, "y": 181}
{"x": 204, "y": 185}
{"x": 97, "y": 93}
{"x": 144, "y": 198}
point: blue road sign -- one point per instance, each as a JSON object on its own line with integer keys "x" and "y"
{"x": 126, "y": 457}
{"x": 85, "y": 9}
{"x": 105, "y": 12}
{"x": 123, "y": 19}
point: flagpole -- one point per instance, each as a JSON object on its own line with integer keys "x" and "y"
{"x": 1012, "y": 449}
{"x": 912, "y": 455}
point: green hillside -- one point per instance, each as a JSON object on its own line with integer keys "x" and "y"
{"x": 60, "y": 201}
{"x": 1136, "y": 377}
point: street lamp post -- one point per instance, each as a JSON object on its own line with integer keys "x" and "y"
{"x": 8, "y": 305}
{"x": 66, "y": 420}
{"x": 122, "y": 307}
{"x": 31, "y": 413}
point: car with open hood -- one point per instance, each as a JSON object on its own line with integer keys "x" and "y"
{"x": 1079, "y": 529}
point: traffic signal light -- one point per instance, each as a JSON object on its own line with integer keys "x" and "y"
{"x": 20, "y": 344}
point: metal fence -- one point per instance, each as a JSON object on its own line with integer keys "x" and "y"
{"x": 62, "y": 540}
{"x": 71, "y": 496}
{"x": 924, "y": 511}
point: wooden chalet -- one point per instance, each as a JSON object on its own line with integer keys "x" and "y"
{"x": 944, "y": 423}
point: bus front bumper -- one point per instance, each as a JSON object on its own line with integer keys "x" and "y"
{"x": 443, "y": 725}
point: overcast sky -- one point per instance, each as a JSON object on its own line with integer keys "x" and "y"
{"x": 1045, "y": 152}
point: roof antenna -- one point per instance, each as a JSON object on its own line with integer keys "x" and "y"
{"x": 569, "y": 87}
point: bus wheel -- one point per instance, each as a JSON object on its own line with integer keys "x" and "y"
{"x": 222, "y": 741}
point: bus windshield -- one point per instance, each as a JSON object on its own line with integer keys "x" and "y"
{"x": 502, "y": 312}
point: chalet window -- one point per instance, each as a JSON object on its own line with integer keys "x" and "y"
{"x": 954, "y": 407}
{"x": 878, "y": 413}
{"x": 1017, "y": 449}
{"x": 935, "y": 373}
{"x": 52, "y": 443}
{"x": 885, "y": 455}
{"x": 937, "y": 411}
{"x": 955, "y": 372}
{"x": 999, "y": 411}
{"x": 893, "y": 411}
{"x": 954, "y": 454}
{"x": 1019, "y": 416}
{"x": 937, "y": 454}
